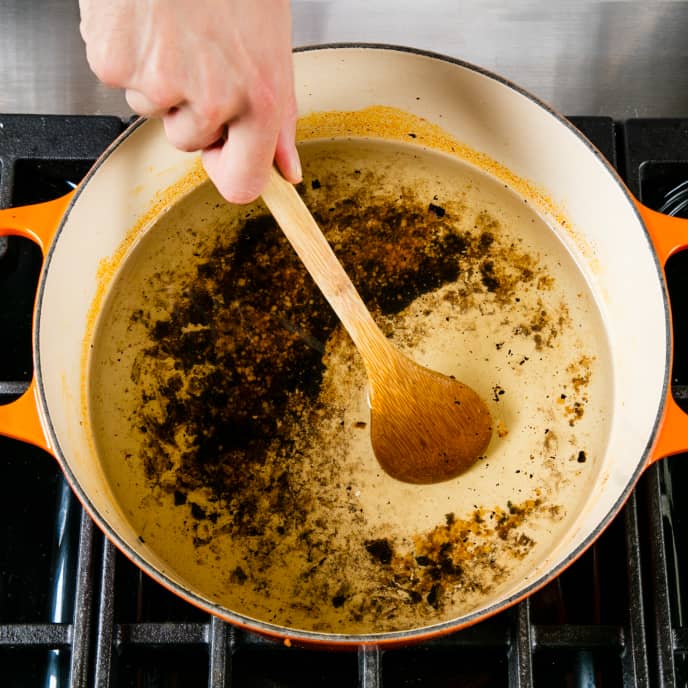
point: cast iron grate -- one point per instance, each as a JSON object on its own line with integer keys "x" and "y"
{"x": 75, "y": 612}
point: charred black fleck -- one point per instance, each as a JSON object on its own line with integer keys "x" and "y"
{"x": 238, "y": 575}
{"x": 437, "y": 209}
{"x": 380, "y": 550}
{"x": 338, "y": 601}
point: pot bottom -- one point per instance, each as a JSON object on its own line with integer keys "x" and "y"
{"x": 229, "y": 408}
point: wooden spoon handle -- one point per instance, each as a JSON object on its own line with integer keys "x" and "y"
{"x": 310, "y": 244}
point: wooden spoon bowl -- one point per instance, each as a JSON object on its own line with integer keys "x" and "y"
{"x": 425, "y": 427}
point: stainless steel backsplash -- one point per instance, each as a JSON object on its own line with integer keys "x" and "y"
{"x": 623, "y": 58}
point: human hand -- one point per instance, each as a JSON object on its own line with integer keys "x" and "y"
{"x": 218, "y": 72}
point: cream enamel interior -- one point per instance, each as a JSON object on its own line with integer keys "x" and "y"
{"x": 605, "y": 235}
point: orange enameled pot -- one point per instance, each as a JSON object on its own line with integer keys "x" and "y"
{"x": 580, "y": 415}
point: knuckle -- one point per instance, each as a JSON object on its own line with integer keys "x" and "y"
{"x": 184, "y": 134}
{"x": 210, "y": 113}
{"x": 161, "y": 95}
{"x": 179, "y": 137}
{"x": 110, "y": 71}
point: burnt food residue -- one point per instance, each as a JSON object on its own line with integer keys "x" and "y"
{"x": 239, "y": 356}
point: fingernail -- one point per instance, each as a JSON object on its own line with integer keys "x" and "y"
{"x": 296, "y": 171}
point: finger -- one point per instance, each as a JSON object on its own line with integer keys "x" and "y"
{"x": 143, "y": 105}
{"x": 286, "y": 155}
{"x": 189, "y": 131}
{"x": 239, "y": 167}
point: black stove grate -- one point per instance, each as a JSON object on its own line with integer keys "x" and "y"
{"x": 74, "y": 612}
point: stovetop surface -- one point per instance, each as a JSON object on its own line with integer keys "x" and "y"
{"x": 75, "y": 612}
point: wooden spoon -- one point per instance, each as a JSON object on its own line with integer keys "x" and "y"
{"x": 425, "y": 427}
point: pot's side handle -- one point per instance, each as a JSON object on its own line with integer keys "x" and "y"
{"x": 669, "y": 235}
{"x": 20, "y": 419}
{"x": 37, "y": 222}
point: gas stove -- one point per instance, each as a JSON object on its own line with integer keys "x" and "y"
{"x": 74, "y": 612}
